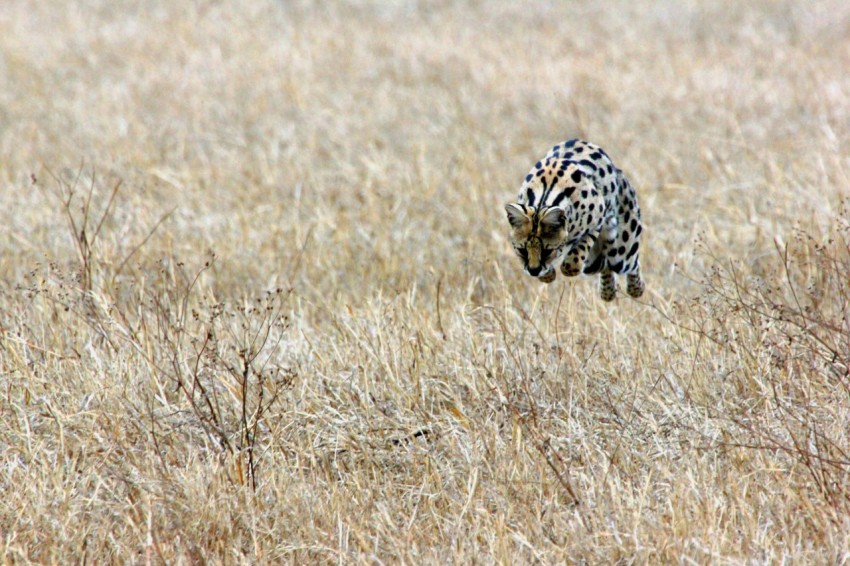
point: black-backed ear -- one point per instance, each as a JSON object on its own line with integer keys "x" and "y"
{"x": 516, "y": 215}
{"x": 553, "y": 219}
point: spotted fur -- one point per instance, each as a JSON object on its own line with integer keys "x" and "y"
{"x": 578, "y": 211}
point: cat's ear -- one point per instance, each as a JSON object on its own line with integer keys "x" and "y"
{"x": 517, "y": 215}
{"x": 553, "y": 219}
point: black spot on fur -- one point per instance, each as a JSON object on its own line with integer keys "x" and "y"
{"x": 633, "y": 225}
{"x": 595, "y": 266}
{"x": 561, "y": 196}
{"x": 530, "y": 196}
{"x": 576, "y": 176}
{"x": 633, "y": 250}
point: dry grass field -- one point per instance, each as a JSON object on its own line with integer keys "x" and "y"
{"x": 257, "y": 303}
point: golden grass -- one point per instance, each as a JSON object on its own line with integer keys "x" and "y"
{"x": 299, "y": 334}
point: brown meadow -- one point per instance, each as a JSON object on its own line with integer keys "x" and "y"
{"x": 257, "y": 303}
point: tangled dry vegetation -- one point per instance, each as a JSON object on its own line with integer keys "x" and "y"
{"x": 257, "y": 304}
